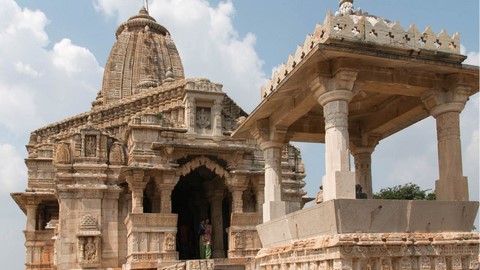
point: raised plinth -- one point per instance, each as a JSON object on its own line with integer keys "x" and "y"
{"x": 151, "y": 239}
{"x": 369, "y": 216}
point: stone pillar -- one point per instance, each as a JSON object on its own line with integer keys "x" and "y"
{"x": 362, "y": 150}
{"x": 446, "y": 108}
{"x": 237, "y": 184}
{"x": 31, "y": 217}
{"x": 339, "y": 180}
{"x": 363, "y": 170}
{"x": 137, "y": 184}
{"x": 217, "y": 224}
{"x": 165, "y": 198}
{"x": 273, "y": 206}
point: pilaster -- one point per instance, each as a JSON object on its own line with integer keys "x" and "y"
{"x": 446, "y": 107}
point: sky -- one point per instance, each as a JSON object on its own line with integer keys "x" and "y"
{"x": 52, "y": 55}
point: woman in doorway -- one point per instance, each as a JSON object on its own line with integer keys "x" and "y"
{"x": 207, "y": 239}
{"x": 201, "y": 238}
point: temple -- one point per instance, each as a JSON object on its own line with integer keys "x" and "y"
{"x": 126, "y": 184}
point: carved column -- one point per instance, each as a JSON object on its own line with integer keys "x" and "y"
{"x": 165, "y": 197}
{"x": 362, "y": 154}
{"x": 217, "y": 224}
{"x": 237, "y": 184}
{"x": 31, "y": 216}
{"x": 446, "y": 108}
{"x": 136, "y": 182}
{"x": 334, "y": 94}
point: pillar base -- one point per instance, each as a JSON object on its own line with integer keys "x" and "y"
{"x": 452, "y": 189}
{"x": 340, "y": 186}
{"x": 273, "y": 210}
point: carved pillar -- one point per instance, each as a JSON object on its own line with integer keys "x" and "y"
{"x": 136, "y": 182}
{"x": 339, "y": 181}
{"x": 31, "y": 216}
{"x": 165, "y": 197}
{"x": 334, "y": 94}
{"x": 237, "y": 184}
{"x": 217, "y": 118}
{"x": 362, "y": 154}
{"x": 446, "y": 108}
{"x": 217, "y": 224}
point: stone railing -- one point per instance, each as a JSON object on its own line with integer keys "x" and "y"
{"x": 151, "y": 239}
{"x": 242, "y": 235}
{"x": 365, "y": 29}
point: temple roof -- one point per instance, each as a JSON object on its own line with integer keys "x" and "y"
{"x": 143, "y": 56}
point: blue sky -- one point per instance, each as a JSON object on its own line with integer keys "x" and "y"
{"x": 52, "y": 55}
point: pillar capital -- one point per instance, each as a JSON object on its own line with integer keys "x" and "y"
{"x": 268, "y": 136}
{"x": 438, "y": 102}
{"x": 343, "y": 79}
{"x": 237, "y": 183}
{"x": 335, "y": 95}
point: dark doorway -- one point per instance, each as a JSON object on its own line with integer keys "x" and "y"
{"x": 190, "y": 202}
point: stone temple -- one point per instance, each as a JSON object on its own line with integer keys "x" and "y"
{"x": 124, "y": 185}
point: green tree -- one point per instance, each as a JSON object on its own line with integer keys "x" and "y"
{"x": 407, "y": 191}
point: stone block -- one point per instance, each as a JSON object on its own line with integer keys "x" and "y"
{"x": 369, "y": 216}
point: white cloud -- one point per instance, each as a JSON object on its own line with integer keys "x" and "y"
{"x": 39, "y": 85}
{"x": 13, "y": 175}
{"x": 473, "y": 58}
{"x": 208, "y": 43}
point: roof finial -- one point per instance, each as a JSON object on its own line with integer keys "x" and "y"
{"x": 145, "y": 4}
{"x": 345, "y": 7}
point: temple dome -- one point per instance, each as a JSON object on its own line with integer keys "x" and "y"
{"x": 143, "y": 56}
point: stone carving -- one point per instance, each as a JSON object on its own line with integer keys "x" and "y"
{"x": 62, "y": 155}
{"x": 117, "y": 154}
{"x": 203, "y": 161}
{"x": 204, "y": 118}
{"x": 88, "y": 222}
{"x": 238, "y": 240}
{"x": 169, "y": 242}
{"x": 90, "y": 250}
{"x": 90, "y": 146}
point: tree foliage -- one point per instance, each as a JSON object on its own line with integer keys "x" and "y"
{"x": 407, "y": 191}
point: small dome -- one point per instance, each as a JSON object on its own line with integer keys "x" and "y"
{"x": 142, "y": 54}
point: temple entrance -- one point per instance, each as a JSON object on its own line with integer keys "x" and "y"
{"x": 199, "y": 195}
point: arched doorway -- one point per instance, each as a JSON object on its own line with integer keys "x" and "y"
{"x": 195, "y": 198}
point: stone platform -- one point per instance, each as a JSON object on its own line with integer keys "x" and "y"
{"x": 372, "y": 234}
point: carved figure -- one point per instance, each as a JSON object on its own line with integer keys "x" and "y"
{"x": 90, "y": 146}
{"x": 169, "y": 242}
{"x": 203, "y": 119}
{"x": 90, "y": 250}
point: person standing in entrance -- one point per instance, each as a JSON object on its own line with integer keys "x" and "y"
{"x": 201, "y": 242}
{"x": 207, "y": 238}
